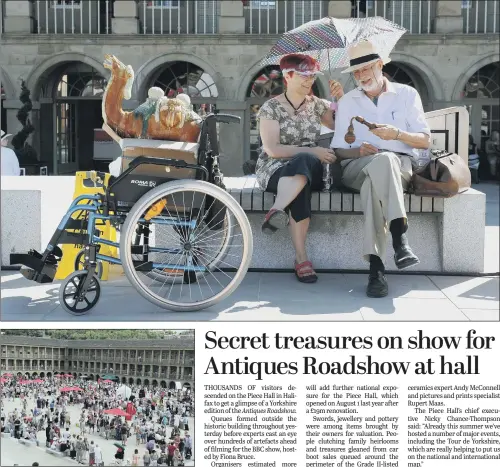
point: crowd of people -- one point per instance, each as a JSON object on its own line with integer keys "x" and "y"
{"x": 147, "y": 425}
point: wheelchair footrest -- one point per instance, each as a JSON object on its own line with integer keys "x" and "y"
{"x": 35, "y": 269}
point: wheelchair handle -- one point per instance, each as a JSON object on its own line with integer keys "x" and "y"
{"x": 225, "y": 118}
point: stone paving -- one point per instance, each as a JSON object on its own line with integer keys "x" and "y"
{"x": 13, "y": 452}
{"x": 266, "y": 296}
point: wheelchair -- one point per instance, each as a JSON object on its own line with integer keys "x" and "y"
{"x": 184, "y": 242}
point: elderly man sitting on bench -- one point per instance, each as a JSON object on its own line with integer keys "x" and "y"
{"x": 377, "y": 162}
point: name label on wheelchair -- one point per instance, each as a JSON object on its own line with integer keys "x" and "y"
{"x": 147, "y": 183}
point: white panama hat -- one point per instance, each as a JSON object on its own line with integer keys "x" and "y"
{"x": 361, "y": 54}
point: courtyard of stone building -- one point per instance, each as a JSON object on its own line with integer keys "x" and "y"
{"x": 140, "y": 380}
{"x": 213, "y": 50}
{"x": 162, "y": 363}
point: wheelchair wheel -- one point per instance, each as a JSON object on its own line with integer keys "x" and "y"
{"x": 72, "y": 286}
{"x": 190, "y": 265}
{"x": 171, "y": 275}
{"x": 79, "y": 261}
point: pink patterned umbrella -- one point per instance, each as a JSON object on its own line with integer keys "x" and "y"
{"x": 327, "y": 39}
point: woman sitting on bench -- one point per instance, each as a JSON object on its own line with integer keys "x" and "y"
{"x": 285, "y": 166}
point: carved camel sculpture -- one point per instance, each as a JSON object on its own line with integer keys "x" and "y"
{"x": 158, "y": 118}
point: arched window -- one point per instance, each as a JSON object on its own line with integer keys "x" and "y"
{"x": 397, "y": 74}
{"x": 81, "y": 86}
{"x": 74, "y": 80}
{"x": 185, "y": 77}
{"x": 484, "y": 84}
{"x": 269, "y": 83}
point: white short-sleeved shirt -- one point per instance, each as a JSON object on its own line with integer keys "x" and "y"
{"x": 400, "y": 106}
{"x": 10, "y": 163}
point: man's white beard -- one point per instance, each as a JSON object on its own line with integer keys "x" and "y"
{"x": 373, "y": 87}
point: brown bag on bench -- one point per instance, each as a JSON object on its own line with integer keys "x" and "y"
{"x": 444, "y": 176}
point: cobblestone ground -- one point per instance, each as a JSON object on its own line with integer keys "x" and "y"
{"x": 14, "y": 453}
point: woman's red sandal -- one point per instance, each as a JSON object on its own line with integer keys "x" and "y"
{"x": 275, "y": 219}
{"x": 305, "y": 272}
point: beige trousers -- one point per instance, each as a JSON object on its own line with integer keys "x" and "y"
{"x": 380, "y": 179}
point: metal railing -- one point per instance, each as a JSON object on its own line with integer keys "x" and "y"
{"x": 179, "y": 17}
{"x": 481, "y": 16}
{"x": 72, "y": 16}
{"x": 277, "y": 17}
{"x": 417, "y": 16}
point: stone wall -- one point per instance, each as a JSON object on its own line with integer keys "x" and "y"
{"x": 443, "y": 63}
{"x": 184, "y": 342}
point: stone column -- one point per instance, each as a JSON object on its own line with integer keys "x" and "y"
{"x": 231, "y": 137}
{"x": 18, "y": 17}
{"x": 231, "y": 19}
{"x": 449, "y": 17}
{"x": 339, "y": 8}
{"x": 125, "y": 20}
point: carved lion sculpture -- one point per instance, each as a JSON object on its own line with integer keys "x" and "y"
{"x": 159, "y": 117}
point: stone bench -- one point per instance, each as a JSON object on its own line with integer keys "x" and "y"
{"x": 27, "y": 442}
{"x": 446, "y": 234}
{"x": 55, "y": 453}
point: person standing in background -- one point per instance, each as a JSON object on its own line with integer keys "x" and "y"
{"x": 10, "y": 162}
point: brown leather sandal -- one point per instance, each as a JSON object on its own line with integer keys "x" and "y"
{"x": 305, "y": 272}
{"x": 275, "y": 219}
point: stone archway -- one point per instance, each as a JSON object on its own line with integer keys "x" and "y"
{"x": 145, "y": 75}
{"x": 266, "y": 83}
{"x": 7, "y": 85}
{"x": 42, "y": 374}
{"x": 70, "y": 110}
{"x": 175, "y": 77}
{"x": 172, "y": 385}
{"x": 163, "y": 384}
{"x": 481, "y": 95}
{"x": 131, "y": 381}
{"x": 423, "y": 73}
{"x": 37, "y": 78}
{"x": 138, "y": 381}
{"x": 8, "y": 91}
{"x": 470, "y": 71}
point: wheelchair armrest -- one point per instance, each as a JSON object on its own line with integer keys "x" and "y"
{"x": 141, "y": 160}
